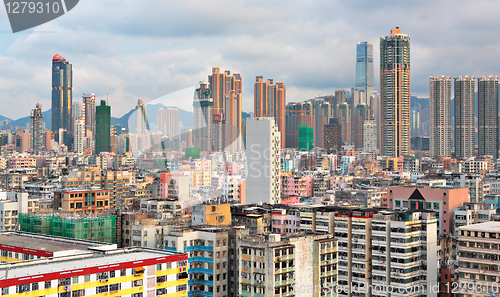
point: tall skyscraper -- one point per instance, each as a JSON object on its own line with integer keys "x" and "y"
{"x": 344, "y": 119}
{"x": 364, "y": 70}
{"x": 440, "y": 116}
{"x": 78, "y": 135}
{"x": 322, "y": 114}
{"x": 333, "y": 139}
{"x": 395, "y": 94}
{"x": 37, "y": 128}
{"x": 161, "y": 125}
{"x": 263, "y": 155}
{"x": 141, "y": 119}
{"x": 298, "y": 114}
{"x": 270, "y": 101}
{"x": 62, "y": 97}
{"x": 202, "y": 105}
{"x": 375, "y": 113}
{"x": 172, "y": 122}
{"x": 233, "y": 122}
{"x": 280, "y": 110}
{"x": 464, "y": 117}
{"x": 359, "y": 118}
{"x": 103, "y": 128}
{"x": 488, "y": 116}
{"x": 89, "y": 115}
{"x": 220, "y": 85}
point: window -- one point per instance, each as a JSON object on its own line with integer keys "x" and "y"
{"x": 112, "y": 274}
{"x": 115, "y": 287}
{"x": 158, "y": 266}
{"x": 48, "y": 284}
{"x": 78, "y": 205}
{"x": 5, "y": 291}
{"x": 22, "y": 288}
{"x": 34, "y": 286}
{"x": 123, "y": 272}
{"x": 102, "y": 289}
{"x": 74, "y": 280}
{"x": 87, "y": 277}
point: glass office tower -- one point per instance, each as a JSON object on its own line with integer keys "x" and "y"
{"x": 364, "y": 71}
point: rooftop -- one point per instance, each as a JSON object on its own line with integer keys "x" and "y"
{"x": 46, "y": 242}
{"x": 33, "y": 268}
{"x": 493, "y": 226}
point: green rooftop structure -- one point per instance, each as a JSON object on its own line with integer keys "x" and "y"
{"x": 306, "y": 138}
{"x": 95, "y": 228}
{"x": 103, "y": 128}
{"x": 193, "y": 153}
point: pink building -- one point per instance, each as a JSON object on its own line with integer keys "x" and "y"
{"x": 441, "y": 200}
{"x": 290, "y": 200}
{"x": 285, "y": 220}
{"x": 301, "y": 185}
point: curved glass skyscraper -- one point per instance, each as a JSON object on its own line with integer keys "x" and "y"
{"x": 364, "y": 71}
{"x": 62, "y": 84}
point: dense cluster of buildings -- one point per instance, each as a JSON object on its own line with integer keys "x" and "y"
{"x": 333, "y": 196}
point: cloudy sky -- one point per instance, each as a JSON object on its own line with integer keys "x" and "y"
{"x": 146, "y": 49}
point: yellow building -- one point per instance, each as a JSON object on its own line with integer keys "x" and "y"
{"x": 211, "y": 214}
{"x": 119, "y": 272}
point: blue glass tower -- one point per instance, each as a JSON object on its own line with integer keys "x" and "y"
{"x": 62, "y": 84}
{"x": 364, "y": 71}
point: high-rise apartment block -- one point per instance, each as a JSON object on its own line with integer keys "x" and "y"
{"x": 359, "y": 116}
{"x": 298, "y": 264}
{"x": 488, "y": 116}
{"x": 172, "y": 122}
{"x": 369, "y": 136}
{"x": 78, "y": 136}
{"x": 89, "y": 117}
{"x": 440, "y": 116}
{"x": 404, "y": 253}
{"x": 464, "y": 117}
{"x": 364, "y": 70}
{"x": 221, "y": 85}
{"x": 478, "y": 264}
{"x": 263, "y": 160}
{"x": 270, "y": 101}
{"x": 202, "y": 104}
{"x": 62, "y": 86}
{"x": 344, "y": 119}
{"x": 333, "y": 139}
{"x": 297, "y": 114}
{"x": 37, "y": 128}
{"x": 103, "y": 128}
{"x": 395, "y": 94}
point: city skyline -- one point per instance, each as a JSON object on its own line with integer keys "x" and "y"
{"x": 109, "y": 69}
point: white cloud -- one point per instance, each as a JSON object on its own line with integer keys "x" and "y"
{"x": 146, "y": 49}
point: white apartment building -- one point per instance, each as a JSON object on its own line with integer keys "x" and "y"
{"x": 11, "y": 205}
{"x": 404, "y": 255}
{"x": 302, "y": 264}
{"x": 479, "y": 259}
{"x": 471, "y": 213}
{"x": 263, "y": 161}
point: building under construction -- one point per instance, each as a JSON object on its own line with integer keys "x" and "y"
{"x": 100, "y": 228}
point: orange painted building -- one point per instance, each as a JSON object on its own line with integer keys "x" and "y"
{"x": 82, "y": 201}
